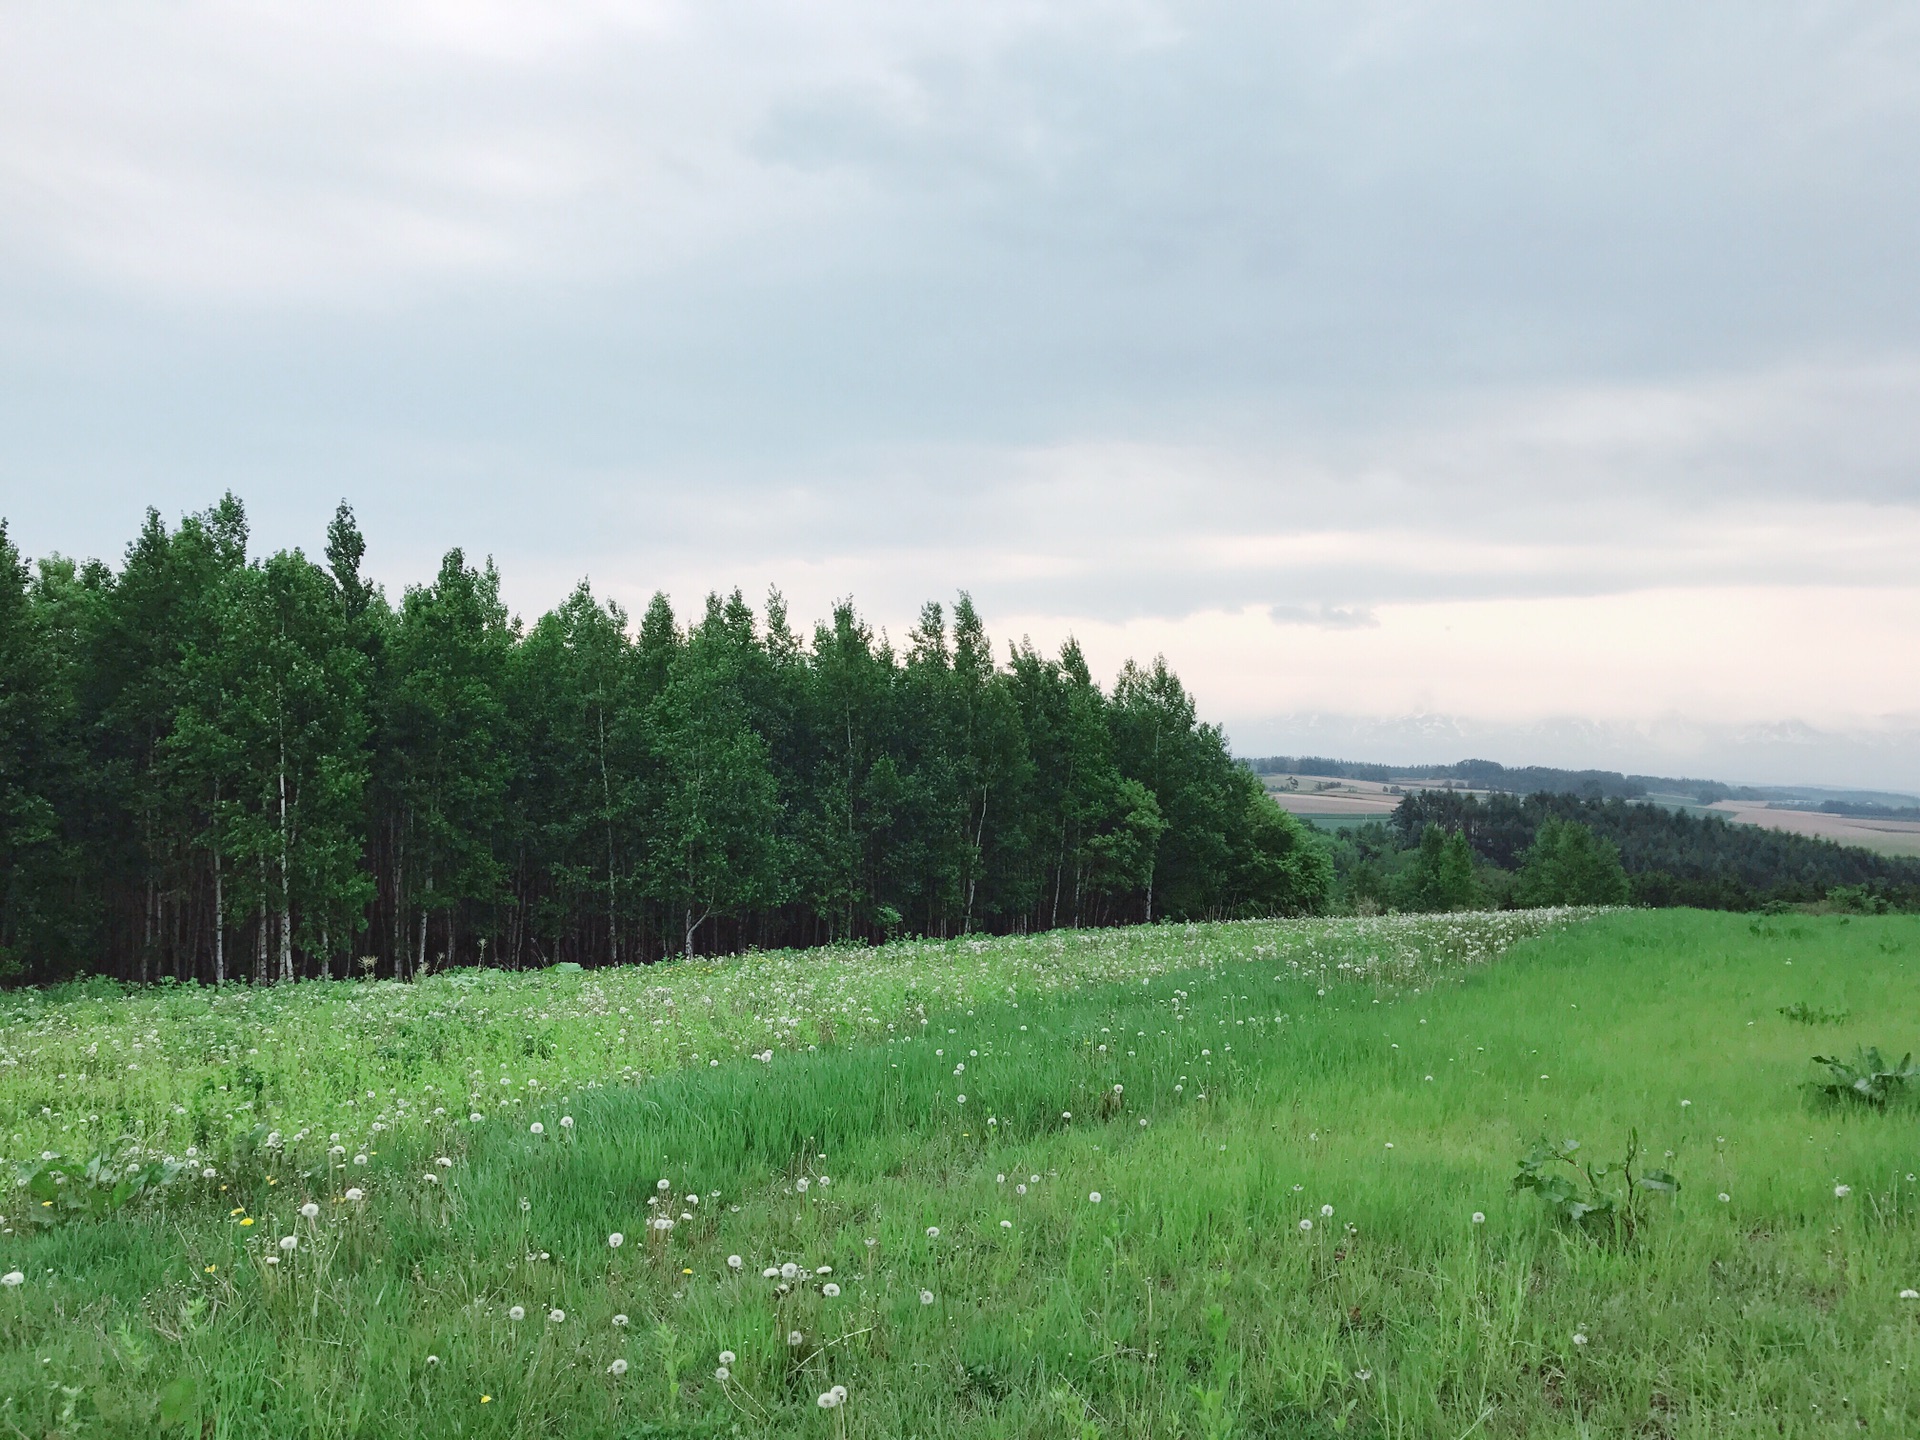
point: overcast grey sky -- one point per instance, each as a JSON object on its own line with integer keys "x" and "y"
{"x": 1551, "y": 369}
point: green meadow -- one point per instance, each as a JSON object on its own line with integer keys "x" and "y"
{"x": 1211, "y": 1181}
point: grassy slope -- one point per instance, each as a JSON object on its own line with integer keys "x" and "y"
{"x": 1775, "y": 1312}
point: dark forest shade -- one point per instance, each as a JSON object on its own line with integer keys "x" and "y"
{"x": 213, "y": 768}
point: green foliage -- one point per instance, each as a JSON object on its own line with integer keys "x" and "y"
{"x": 54, "y": 1189}
{"x": 1802, "y": 1013}
{"x": 1608, "y": 1204}
{"x": 1867, "y": 1079}
{"x": 1568, "y": 865}
{"x": 213, "y": 767}
{"x": 1441, "y": 876}
{"x": 1670, "y": 857}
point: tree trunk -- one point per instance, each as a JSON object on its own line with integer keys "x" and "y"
{"x": 219, "y": 926}
{"x": 286, "y": 892}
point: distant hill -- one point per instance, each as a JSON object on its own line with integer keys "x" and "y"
{"x": 1596, "y": 784}
{"x": 1515, "y": 780}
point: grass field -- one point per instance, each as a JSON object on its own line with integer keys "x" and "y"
{"x": 1290, "y": 1129}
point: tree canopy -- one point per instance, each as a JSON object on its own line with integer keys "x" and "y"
{"x": 215, "y": 765}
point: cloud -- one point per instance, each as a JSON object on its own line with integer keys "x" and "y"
{"x": 1342, "y": 322}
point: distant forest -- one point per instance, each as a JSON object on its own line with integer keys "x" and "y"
{"x": 1668, "y": 858}
{"x": 1492, "y": 775}
{"x": 215, "y": 767}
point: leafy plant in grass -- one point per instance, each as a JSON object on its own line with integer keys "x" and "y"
{"x": 1802, "y": 1013}
{"x": 1867, "y": 1079}
{"x": 1609, "y": 1204}
{"x": 61, "y": 1189}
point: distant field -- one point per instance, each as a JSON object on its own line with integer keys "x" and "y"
{"x": 1357, "y": 801}
{"x": 1247, "y": 1180}
{"x": 1889, "y": 837}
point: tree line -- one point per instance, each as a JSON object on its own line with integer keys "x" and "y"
{"x": 1448, "y": 850}
{"x": 215, "y": 766}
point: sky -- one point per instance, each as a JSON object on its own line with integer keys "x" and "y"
{"x": 1423, "y": 380}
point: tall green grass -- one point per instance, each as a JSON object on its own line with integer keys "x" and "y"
{"x": 1189, "y": 1300}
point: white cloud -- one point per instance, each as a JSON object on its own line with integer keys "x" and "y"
{"x": 1283, "y": 340}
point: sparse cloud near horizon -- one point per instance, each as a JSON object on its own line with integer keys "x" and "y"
{"x": 1553, "y": 372}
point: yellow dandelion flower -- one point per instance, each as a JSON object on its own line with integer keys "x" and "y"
{"x": 486, "y": 1399}
{"x": 247, "y": 1221}
{"x": 686, "y": 1272}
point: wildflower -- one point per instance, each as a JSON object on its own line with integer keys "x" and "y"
{"x": 486, "y": 1399}
{"x": 620, "y": 1321}
{"x": 933, "y": 1232}
{"x": 830, "y": 1290}
{"x": 733, "y": 1262}
{"x": 1579, "y": 1339}
{"x": 1363, "y": 1375}
{"x": 431, "y": 1178}
{"x": 1725, "y": 1197}
{"x": 247, "y": 1221}
{"x": 444, "y": 1162}
{"x": 999, "y": 1179}
{"x": 661, "y": 1223}
{"x": 207, "y": 1173}
{"x": 1117, "y": 1089}
{"x": 824, "y": 1270}
{"x": 1020, "y": 1189}
{"x": 726, "y": 1357}
{"x": 828, "y": 1400}
{"x": 695, "y": 1199}
{"x": 721, "y": 1372}
{"x": 663, "y": 1186}
{"x": 356, "y": 1193}
{"x": 566, "y": 1122}
{"x": 616, "y": 1240}
{"x": 433, "y": 1359}
{"x": 1094, "y": 1197}
{"x": 825, "y": 1180}
{"x": 1326, "y": 1211}
{"x": 1306, "y": 1224}
{"x": 1904, "y": 1294}
{"x": 789, "y": 1271}
{"x": 617, "y": 1368}
{"x": 556, "y": 1316}
{"x": 476, "y": 1117}
{"x": 12, "y": 1278}
{"x": 1840, "y": 1192}
{"x": 538, "y": 1128}
{"x": 795, "y": 1339}
{"x": 926, "y": 1297}
{"x": 1685, "y": 1103}
{"x": 1006, "y": 1224}
{"x": 516, "y": 1312}
{"x": 802, "y": 1184}
{"x": 309, "y": 1210}
{"x": 289, "y": 1243}
{"x": 1479, "y": 1217}
{"x": 1066, "y": 1114}
{"x": 360, "y": 1159}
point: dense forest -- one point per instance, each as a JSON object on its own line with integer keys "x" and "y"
{"x": 215, "y": 766}
{"x": 1665, "y": 857}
